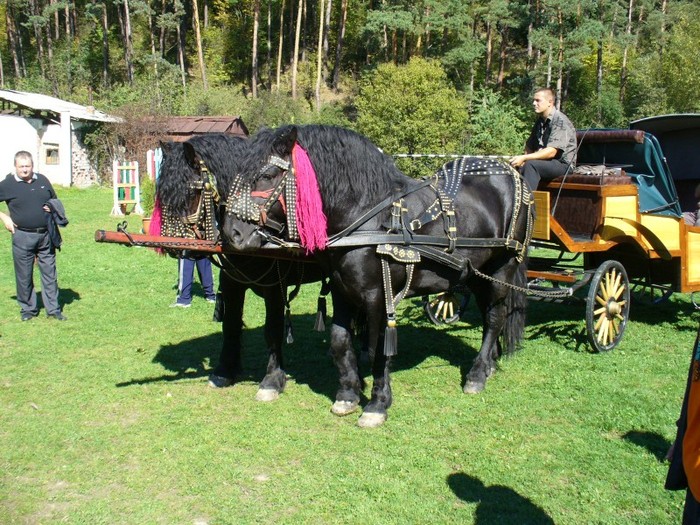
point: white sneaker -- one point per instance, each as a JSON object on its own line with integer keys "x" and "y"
{"x": 180, "y": 305}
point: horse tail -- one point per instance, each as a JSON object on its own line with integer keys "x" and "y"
{"x": 516, "y": 306}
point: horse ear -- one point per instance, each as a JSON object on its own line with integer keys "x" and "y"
{"x": 190, "y": 154}
{"x": 284, "y": 144}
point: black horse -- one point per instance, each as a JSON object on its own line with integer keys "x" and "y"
{"x": 390, "y": 236}
{"x": 192, "y": 187}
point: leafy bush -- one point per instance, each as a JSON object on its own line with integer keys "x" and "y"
{"x": 496, "y": 125}
{"x": 411, "y": 109}
{"x": 148, "y": 195}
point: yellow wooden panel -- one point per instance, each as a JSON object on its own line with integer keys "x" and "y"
{"x": 540, "y": 229}
{"x": 614, "y": 208}
{"x": 667, "y": 229}
{"x": 692, "y": 252}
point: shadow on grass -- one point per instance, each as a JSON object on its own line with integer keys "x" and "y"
{"x": 65, "y": 296}
{"x": 653, "y": 442}
{"x": 184, "y": 360}
{"x": 307, "y": 360}
{"x": 496, "y": 504}
{"x": 565, "y": 324}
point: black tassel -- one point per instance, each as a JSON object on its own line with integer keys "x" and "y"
{"x": 320, "y": 324}
{"x": 218, "y": 316}
{"x": 288, "y": 326}
{"x": 390, "y": 338}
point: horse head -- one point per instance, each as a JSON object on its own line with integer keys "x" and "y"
{"x": 193, "y": 183}
{"x": 260, "y": 196}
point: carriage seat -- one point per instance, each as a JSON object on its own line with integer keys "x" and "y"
{"x": 598, "y": 174}
{"x": 604, "y": 179}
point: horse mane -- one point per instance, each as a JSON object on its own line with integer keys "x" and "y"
{"x": 348, "y": 166}
{"x": 220, "y": 152}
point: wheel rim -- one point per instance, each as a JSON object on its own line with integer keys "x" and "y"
{"x": 608, "y": 306}
{"x": 444, "y": 308}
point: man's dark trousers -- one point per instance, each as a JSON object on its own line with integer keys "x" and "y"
{"x": 534, "y": 170}
{"x": 25, "y": 246}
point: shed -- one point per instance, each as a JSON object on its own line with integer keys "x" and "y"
{"x": 180, "y": 129}
{"x": 53, "y": 131}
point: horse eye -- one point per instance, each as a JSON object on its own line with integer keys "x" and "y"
{"x": 269, "y": 173}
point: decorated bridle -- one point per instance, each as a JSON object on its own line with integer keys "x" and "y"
{"x": 201, "y": 224}
{"x": 241, "y": 201}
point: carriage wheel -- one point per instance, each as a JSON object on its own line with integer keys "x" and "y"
{"x": 607, "y": 308}
{"x": 446, "y": 307}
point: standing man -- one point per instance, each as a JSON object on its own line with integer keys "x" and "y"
{"x": 551, "y": 149}
{"x": 26, "y": 194}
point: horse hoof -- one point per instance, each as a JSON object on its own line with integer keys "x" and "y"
{"x": 267, "y": 394}
{"x": 343, "y": 408}
{"x": 371, "y": 420}
{"x": 219, "y": 381}
{"x": 471, "y": 387}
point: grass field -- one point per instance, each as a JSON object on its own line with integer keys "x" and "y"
{"x": 107, "y": 418}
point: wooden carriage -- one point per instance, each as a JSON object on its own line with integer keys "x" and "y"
{"x": 622, "y": 214}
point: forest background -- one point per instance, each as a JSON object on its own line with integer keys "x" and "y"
{"x": 419, "y": 76}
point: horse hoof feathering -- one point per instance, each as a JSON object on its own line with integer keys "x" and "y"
{"x": 371, "y": 420}
{"x": 470, "y": 387}
{"x": 219, "y": 381}
{"x": 343, "y": 408}
{"x": 267, "y": 394}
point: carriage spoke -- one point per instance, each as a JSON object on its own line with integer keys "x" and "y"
{"x": 598, "y": 323}
{"x": 602, "y": 330}
{"x": 617, "y": 288}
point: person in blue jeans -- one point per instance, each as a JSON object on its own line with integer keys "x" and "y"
{"x": 186, "y": 267}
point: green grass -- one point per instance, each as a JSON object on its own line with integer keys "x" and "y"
{"x": 107, "y": 418}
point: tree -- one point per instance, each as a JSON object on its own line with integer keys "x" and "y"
{"x": 339, "y": 44}
{"x": 198, "y": 38}
{"x": 496, "y": 125}
{"x": 295, "y": 57}
{"x": 256, "y": 25}
{"x": 411, "y": 108}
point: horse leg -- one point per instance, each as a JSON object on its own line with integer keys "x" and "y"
{"x": 233, "y": 295}
{"x": 275, "y": 379}
{"x": 493, "y": 310}
{"x": 375, "y": 413}
{"x": 503, "y": 312}
{"x": 347, "y": 398}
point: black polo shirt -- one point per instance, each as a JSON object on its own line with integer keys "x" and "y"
{"x": 25, "y": 201}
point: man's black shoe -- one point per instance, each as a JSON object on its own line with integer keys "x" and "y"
{"x": 28, "y": 317}
{"x": 58, "y": 316}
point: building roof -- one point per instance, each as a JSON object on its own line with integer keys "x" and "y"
{"x": 38, "y": 102}
{"x": 180, "y": 129}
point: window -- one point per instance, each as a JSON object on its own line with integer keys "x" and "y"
{"x": 51, "y": 155}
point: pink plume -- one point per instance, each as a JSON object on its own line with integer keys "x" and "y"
{"x": 156, "y": 223}
{"x": 311, "y": 221}
{"x": 156, "y": 219}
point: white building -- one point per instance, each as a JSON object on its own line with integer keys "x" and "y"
{"x": 52, "y": 130}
